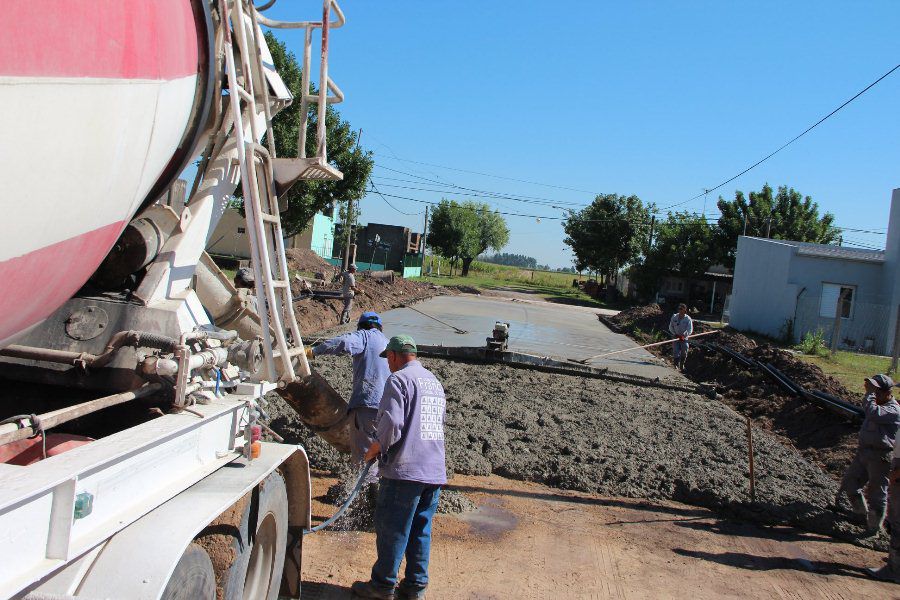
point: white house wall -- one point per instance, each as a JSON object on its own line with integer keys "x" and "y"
{"x": 762, "y": 297}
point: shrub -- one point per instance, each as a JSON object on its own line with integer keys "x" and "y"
{"x": 813, "y": 343}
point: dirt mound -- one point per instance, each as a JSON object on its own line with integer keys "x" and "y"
{"x": 307, "y": 261}
{"x": 318, "y": 314}
{"x": 827, "y": 439}
{"x": 608, "y": 438}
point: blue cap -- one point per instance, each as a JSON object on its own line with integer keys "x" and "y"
{"x": 369, "y": 317}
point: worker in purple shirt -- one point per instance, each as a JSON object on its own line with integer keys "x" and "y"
{"x": 370, "y": 371}
{"x": 410, "y": 446}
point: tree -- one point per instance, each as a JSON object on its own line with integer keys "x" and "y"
{"x": 306, "y": 198}
{"x": 609, "y": 234}
{"x": 787, "y": 215}
{"x": 511, "y": 260}
{"x": 462, "y": 231}
{"x": 684, "y": 245}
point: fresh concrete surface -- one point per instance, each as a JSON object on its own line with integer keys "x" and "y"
{"x": 541, "y": 328}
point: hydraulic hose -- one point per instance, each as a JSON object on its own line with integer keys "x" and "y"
{"x": 359, "y": 483}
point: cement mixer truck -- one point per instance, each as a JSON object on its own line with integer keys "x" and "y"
{"x": 113, "y": 317}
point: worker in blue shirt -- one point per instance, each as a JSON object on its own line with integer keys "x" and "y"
{"x": 370, "y": 371}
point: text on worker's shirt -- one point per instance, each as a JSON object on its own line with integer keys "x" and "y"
{"x": 431, "y": 410}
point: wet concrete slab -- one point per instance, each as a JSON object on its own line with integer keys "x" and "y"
{"x": 544, "y": 329}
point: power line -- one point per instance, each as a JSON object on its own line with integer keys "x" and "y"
{"x": 375, "y": 189}
{"x": 469, "y": 208}
{"x": 791, "y": 141}
{"x": 495, "y": 197}
{"x": 548, "y": 185}
{"x": 507, "y": 195}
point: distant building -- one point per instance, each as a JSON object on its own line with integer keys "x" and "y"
{"x": 230, "y": 237}
{"x": 794, "y": 287}
{"x": 707, "y": 292}
{"x": 390, "y": 247}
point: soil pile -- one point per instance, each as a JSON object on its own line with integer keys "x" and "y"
{"x": 601, "y": 437}
{"x": 317, "y": 314}
{"x": 307, "y": 261}
{"x": 827, "y": 439}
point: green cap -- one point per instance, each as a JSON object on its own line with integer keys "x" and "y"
{"x": 400, "y": 343}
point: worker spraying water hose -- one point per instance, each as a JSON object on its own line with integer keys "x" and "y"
{"x": 585, "y": 361}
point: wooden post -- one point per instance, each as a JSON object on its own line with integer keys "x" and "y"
{"x": 836, "y": 331}
{"x": 895, "y": 351}
{"x": 750, "y": 453}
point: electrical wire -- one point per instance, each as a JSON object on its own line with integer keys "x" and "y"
{"x": 788, "y": 143}
{"x": 453, "y": 185}
{"x": 547, "y": 185}
{"x": 494, "y": 197}
{"x": 375, "y": 189}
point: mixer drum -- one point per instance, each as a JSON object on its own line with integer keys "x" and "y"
{"x": 102, "y": 102}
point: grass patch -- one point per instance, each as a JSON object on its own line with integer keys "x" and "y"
{"x": 850, "y": 368}
{"x": 549, "y": 285}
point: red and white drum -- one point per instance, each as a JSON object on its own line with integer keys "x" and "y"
{"x": 96, "y": 100}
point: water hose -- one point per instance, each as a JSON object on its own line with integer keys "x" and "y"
{"x": 359, "y": 483}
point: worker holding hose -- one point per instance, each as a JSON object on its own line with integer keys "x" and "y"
{"x": 872, "y": 462}
{"x": 370, "y": 371}
{"x": 349, "y": 291}
{"x": 410, "y": 448}
{"x": 681, "y": 326}
{"x": 891, "y": 571}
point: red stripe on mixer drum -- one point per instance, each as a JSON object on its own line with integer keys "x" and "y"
{"x": 123, "y": 39}
{"x": 37, "y": 283}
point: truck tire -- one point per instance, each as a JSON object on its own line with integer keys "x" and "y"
{"x": 248, "y": 567}
{"x": 193, "y": 578}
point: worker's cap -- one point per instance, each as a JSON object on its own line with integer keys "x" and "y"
{"x": 400, "y": 343}
{"x": 351, "y": 268}
{"x": 881, "y": 381}
{"x": 244, "y": 275}
{"x": 369, "y": 317}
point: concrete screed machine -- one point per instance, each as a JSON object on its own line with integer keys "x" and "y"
{"x": 168, "y": 492}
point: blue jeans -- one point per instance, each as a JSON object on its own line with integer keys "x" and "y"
{"x": 403, "y": 516}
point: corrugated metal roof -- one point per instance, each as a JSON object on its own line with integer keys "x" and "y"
{"x": 838, "y": 252}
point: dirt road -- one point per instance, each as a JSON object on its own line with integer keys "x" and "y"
{"x": 528, "y": 541}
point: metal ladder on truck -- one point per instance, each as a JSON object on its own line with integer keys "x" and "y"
{"x": 261, "y": 170}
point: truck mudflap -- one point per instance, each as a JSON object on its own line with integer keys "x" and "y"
{"x": 138, "y": 561}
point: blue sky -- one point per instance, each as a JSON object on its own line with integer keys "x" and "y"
{"x": 661, "y": 100}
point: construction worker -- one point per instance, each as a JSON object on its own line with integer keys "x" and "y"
{"x": 370, "y": 371}
{"x": 891, "y": 571}
{"x": 410, "y": 447}
{"x": 681, "y": 326}
{"x": 244, "y": 279}
{"x": 872, "y": 462}
{"x": 349, "y": 291}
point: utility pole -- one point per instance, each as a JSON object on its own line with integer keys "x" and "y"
{"x": 652, "y": 225}
{"x": 425, "y": 237}
{"x": 895, "y": 350}
{"x": 350, "y": 250}
{"x": 838, "y": 315}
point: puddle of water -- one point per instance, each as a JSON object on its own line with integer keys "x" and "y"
{"x": 489, "y": 520}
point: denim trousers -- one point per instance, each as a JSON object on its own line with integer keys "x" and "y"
{"x": 403, "y": 517}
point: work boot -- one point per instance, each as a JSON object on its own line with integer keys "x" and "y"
{"x": 890, "y": 571}
{"x": 367, "y": 589}
{"x": 410, "y": 593}
{"x": 858, "y": 504}
{"x": 875, "y": 521}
